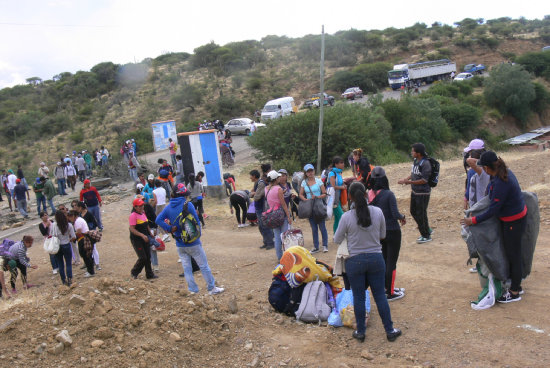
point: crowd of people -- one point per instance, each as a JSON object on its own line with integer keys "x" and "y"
{"x": 365, "y": 211}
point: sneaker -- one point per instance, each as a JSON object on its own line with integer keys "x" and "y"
{"x": 167, "y": 240}
{"x": 193, "y": 292}
{"x": 179, "y": 260}
{"x": 156, "y": 269}
{"x": 423, "y": 240}
{"x": 245, "y": 225}
{"x": 87, "y": 274}
{"x": 182, "y": 274}
{"x": 325, "y": 249}
{"x": 395, "y": 296}
{"x": 263, "y": 246}
{"x": 164, "y": 237}
{"x": 216, "y": 290}
{"x": 152, "y": 277}
{"x": 314, "y": 250}
{"x": 521, "y": 292}
{"x": 240, "y": 225}
{"x": 55, "y": 271}
{"x": 398, "y": 290}
{"x": 431, "y": 231}
{"x": 268, "y": 247}
{"x": 97, "y": 267}
{"x": 473, "y": 270}
{"x": 394, "y": 334}
{"x": 508, "y": 297}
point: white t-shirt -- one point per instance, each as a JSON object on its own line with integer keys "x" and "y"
{"x": 160, "y": 193}
{"x": 11, "y": 181}
{"x": 80, "y": 224}
{"x": 71, "y": 171}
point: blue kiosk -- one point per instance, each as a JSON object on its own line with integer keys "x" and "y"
{"x": 200, "y": 151}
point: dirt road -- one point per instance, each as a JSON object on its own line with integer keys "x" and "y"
{"x": 136, "y": 319}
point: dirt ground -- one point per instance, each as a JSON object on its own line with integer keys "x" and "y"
{"x": 140, "y": 323}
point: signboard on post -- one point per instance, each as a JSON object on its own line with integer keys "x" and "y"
{"x": 162, "y": 130}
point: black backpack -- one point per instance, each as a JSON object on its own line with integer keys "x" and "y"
{"x": 284, "y": 298}
{"x": 434, "y": 176}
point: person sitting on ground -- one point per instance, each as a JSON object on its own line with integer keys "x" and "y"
{"x": 18, "y": 253}
{"x": 363, "y": 227}
{"x": 240, "y": 200}
{"x": 169, "y": 220}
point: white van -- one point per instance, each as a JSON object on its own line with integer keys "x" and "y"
{"x": 280, "y": 107}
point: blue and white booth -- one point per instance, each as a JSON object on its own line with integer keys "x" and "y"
{"x": 200, "y": 151}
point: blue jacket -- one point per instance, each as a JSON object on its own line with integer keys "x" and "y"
{"x": 506, "y": 200}
{"x": 171, "y": 212}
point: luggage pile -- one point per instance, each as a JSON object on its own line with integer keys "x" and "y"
{"x": 305, "y": 288}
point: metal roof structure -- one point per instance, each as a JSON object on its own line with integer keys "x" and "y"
{"x": 527, "y": 137}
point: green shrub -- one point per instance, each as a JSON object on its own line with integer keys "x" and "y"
{"x": 77, "y": 136}
{"x": 535, "y": 62}
{"x": 542, "y": 98}
{"x": 293, "y": 140}
{"x": 463, "y": 118}
{"x": 143, "y": 138}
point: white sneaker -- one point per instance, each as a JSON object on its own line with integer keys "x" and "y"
{"x": 240, "y": 225}
{"x": 245, "y": 225}
{"x": 87, "y": 274}
{"x": 216, "y": 290}
{"x": 325, "y": 249}
{"x": 55, "y": 271}
{"x": 156, "y": 269}
{"x": 164, "y": 237}
{"x": 473, "y": 270}
{"x": 179, "y": 260}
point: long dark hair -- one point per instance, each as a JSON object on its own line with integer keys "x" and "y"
{"x": 357, "y": 192}
{"x": 381, "y": 183}
{"x": 61, "y": 221}
{"x": 499, "y": 166}
{"x": 191, "y": 178}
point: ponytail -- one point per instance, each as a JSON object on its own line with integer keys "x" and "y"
{"x": 501, "y": 171}
{"x": 357, "y": 193}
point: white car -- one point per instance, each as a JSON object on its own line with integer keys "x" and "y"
{"x": 463, "y": 76}
{"x": 241, "y": 126}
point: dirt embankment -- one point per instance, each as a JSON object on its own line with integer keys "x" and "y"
{"x": 113, "y": 319}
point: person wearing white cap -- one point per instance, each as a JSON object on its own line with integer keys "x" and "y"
{"x": 43, "y": 170}
{"x": 312, "y": 188}
{"x": 147, "y": 191}
{"x": 275, "y": 200}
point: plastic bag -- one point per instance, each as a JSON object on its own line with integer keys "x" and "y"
{"x": 330, "y": 202}
{"x": 344, "y": 299}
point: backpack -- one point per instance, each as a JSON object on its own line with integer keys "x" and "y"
{"x": 434, "y": 176}
{"x": 5, "y": 248}
{"x": 283, "y": 298}
{"x": 164, "y": 172}
{"x": 190, "y": 230}
{"x": 313, "y": 306}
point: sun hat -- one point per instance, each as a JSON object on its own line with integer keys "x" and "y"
{"x": 273, "y": 175}
{"x": 378, "y": 172}
{"x": 308, "y": 167}
{"x": 487, "y": 158}
{"x": 283, "y": 171}
{"x": 475, "y": 144}
{"x": 138, "y": 202}
{"x": 151, "y": 177}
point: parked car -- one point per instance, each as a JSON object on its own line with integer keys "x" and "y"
{"x": 241, "y": 126}
{"x": 463, "y": 76}
{"x": 352, "y": 93}
{"x": 474, "y": 69}
{"x": 313, "y": 101}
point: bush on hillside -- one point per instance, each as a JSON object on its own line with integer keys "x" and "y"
{"x": 292, "y": 141}
{"x": 375, "y": 72}
{"x": 416, "y": 120}
{"x": 143, "y": 138}
{"x": 345, "y": 78}
{"x": 542, "y": 98}
{"x": 537, "y": 63}
{"x": 189, "y": 95}
{"x": 461, "y": 117}
{"x": 510, "y": 90}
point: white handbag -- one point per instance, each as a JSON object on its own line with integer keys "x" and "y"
{"x": 51, "y": 244}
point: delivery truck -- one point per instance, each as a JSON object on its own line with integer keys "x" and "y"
{"x": 409, "y": 75}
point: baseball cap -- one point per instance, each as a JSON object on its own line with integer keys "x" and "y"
{"x": 273, "y": 174}
{"x": 138, "y": 202}
{"x": 181, "y": 190}
{"x": 308, "y": 167}
{"x": 151, "y": 177}
{"x": 475, "y": 144}
{"x": 18, "y": 181}
{"x": 378, "y": 172}
{"x": 38, "y": 180}
{"x": 283, "y": 171}
{"x": 58, "y": 163}
{"x": 487, "y": 158}
{"x": 139, "y": 186}
{"x": 87, "y": 181}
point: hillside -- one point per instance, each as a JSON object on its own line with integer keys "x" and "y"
{"x": 45, "y": 119}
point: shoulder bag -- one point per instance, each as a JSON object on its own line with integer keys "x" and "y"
{"x": 305, "y": 208}
{"x": 51, "y": 244}
{"x": 273, "y": 217}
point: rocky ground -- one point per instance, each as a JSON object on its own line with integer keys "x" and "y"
{"x": 111, "y": 319}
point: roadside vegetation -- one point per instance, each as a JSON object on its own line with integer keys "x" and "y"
{"x": 111, "y": 102}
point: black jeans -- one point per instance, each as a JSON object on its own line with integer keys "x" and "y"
{"x": 419, "y": 211}
{"x": 390, "y": 250}
{"x": 239, "y": 203}
{"x": 88, "y": 260}
{"x": 197, "y": 203}
{"x": 143, "y": 251}
{"x": 511, "y": 238}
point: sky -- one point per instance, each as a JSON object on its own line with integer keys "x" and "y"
{"x": 42, "y": 38}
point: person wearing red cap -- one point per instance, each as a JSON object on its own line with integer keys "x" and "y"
{"x": 139, "y": 236}
{"x": 20, "y": 192}
{"x": 90, "y": 196}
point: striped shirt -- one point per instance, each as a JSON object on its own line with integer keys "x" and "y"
{"x": 18, "y": 252}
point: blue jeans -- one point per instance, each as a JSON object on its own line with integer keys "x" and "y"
{"x": 96, "y": 211}
{"x": 53, "y": 262}
{"x": 198, "y": 254}
{"x": 61, "y": 186}
{"x": 133, "y": 174}
{"x": 41, "y": 203}
{"x": 321, "y": 226}
{"x": 266, "y": 232}
{"x": 368, "y": 269}
{"x": 278, "y": 241}
{"x": 22, "y": 207}
{"x": 154, "y": 257}
{"x": 52, "y": 207}
{"x": 63, "y": 259}
{"x": 174, "y": 161}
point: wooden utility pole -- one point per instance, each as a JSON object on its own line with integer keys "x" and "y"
{"x": 321, "y": 102}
